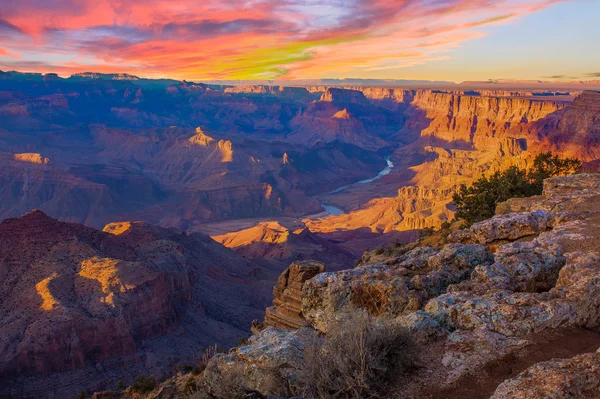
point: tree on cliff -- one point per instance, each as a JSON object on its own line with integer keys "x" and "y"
{"x": 478, "y": 202}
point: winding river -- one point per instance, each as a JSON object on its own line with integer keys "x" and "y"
{"x": 334, "y": 211}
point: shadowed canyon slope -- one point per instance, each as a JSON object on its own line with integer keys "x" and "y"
{"x": 90, "y": 307}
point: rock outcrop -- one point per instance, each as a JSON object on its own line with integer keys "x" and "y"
{"x": 286, "y": 312}
{"x": 401, "y": 286}
{"x": 265, "y": 363}
{"x": 578, "y": 377}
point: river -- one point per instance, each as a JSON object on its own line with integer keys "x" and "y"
{"x": 334, "y": 211}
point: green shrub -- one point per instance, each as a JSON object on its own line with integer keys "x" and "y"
{"x": 144, "y": 385}
{"x": 478, "y": 202}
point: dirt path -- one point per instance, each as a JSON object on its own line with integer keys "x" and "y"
{"x": 557, "y": 344}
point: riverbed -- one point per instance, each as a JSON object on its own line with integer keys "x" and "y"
{"x": 334, "y": 211}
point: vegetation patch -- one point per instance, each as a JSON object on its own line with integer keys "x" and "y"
{"x": 357, "y": 358}
{"x": 478, "y": 202}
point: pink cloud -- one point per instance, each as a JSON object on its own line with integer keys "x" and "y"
{"x": 218, "y": 39}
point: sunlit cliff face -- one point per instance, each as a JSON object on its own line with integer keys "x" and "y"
{"x": 246, "y": 39}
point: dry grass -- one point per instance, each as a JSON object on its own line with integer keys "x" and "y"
{"x": 358, "y": 358}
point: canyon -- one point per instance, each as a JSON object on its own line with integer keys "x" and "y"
{"x": 507, "y": 308}
{"x": 98, "y": 148}
{"x": 82, "y": 308}
{"x": 165, "y": 212}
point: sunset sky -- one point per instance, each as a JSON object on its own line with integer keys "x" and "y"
{"x": 302, "y": 39}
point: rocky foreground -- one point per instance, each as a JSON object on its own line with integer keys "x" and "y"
{"x": 508, "y": 309}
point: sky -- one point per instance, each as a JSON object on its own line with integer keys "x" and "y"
{"x": 454, "y": 40}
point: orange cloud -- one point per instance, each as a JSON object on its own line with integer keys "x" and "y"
{"x": 251, "y": 39}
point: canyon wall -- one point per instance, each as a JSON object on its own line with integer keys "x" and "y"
{"x": 463, "y": 137}
{"x": 82, "y": 307}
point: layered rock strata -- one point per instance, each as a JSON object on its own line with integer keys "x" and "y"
{"x": 286, "y": 312}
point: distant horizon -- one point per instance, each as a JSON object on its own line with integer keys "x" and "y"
{"x": 283, "y": 81}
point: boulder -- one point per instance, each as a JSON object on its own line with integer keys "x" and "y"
{"x": 521, "y": 267}
{"x": 267, "y": 363}
{"x": 508, "y": 227}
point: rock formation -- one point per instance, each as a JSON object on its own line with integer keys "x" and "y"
{"x": 81, "y": 307}
{"x": 578, "y": 131}
{"x": 477, "y": 121}
{"x": 284, "y": 244}
{"x": 31, "y": 157}
{"x": 402, "y": 285}
{"x": 569, "y": 378}
{"x": 286, "y": 312}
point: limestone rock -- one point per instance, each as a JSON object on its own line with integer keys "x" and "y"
{"x": 578, "y": 377}
{"x": 422, "y": 327}
{"x": 286, "y": 312}
{"x": 270, "y": 358}
{"x": 389, "y": 290}
{"x": 521, "y": 267}
{"x": 572, "y": 185}
{"x": 508, "y": 227}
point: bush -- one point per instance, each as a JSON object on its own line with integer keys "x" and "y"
{"x": 379, "y": 251}
{"x": 144, "y": 385}
{"x": 357, "y": 358}
{"x": 547, "y": 165}
{"x": 190, "y": 385}
{"x": 478, "y": 202}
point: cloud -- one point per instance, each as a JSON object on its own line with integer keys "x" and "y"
{"x": 246, "y": 39}
{"x": 593, "y": 75}
{"x": 8, "y": 27}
